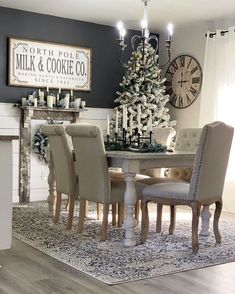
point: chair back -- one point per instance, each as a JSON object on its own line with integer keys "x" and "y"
{"x": 61, "y": 151}
{"x": 187, "y": 139}
{"x": 163, "y": 135}
{"x": 211, "y": 162}
{"x": 94, "y": 182}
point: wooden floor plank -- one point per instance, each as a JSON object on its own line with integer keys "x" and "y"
{"x": 29, "y": 271}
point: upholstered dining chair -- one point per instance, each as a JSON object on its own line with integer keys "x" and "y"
{"x": 95, "y": 183}
{"x": 66, "y": 178}
{"x": 205, "y": 187}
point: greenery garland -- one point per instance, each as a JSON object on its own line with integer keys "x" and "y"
{"x": 40, "y": 141}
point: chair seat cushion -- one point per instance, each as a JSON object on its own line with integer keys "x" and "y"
{"x": 178, "y": 191}
{"x": 158, "y": 180}
{"x": 118, "y": 188}
{"x": 116, "y": 174}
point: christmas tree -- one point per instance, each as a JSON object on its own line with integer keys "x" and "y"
{"x": 142, "y": 96}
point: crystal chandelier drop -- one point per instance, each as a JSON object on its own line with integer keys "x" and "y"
{"x": 144, "y": 39}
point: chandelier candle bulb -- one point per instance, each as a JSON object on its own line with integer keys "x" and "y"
{"x": 116, "y": 125}
{"x": 170, "y": 31}
{"x": 108, "y": 133}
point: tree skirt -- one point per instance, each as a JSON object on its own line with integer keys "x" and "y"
{"x": 111, "y": 261}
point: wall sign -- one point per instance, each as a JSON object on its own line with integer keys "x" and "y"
{"x": 42, "y": 64}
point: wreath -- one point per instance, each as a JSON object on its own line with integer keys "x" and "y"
{"x": 40, "y": 141}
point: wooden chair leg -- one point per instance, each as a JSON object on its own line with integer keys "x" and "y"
{"x": 120, "y": 214}
{"x": 145, "y": 222}
{"x": 57, "y": 207}
{"x": 104, "y": 222}
{"x": 137, "y": 211}
{"x": 70, "y": 213}
{"x": 67, "y": 204}
{"x": 82, "y": 212}
{"x": 86, "y": 208}
{"x": 195, "y": 221}
{"x": 159, "y": 218}
{"x": 172, "y": 220}
{"x": 114, "y": 212}
{"x": 218, "y": 209}
{"x": 98, "y": 209}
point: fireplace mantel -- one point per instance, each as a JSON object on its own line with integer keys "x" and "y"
{"x": 27, "y": 114}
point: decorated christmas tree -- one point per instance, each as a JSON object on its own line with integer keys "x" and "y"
{"x": 142, "y": 97}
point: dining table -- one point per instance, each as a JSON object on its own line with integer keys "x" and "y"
{"x": 131, "y": 163}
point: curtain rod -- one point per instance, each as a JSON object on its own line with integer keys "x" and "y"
{"x": 211, "y": 35}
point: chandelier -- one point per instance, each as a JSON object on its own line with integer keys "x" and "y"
{"x": 144, "y": 39}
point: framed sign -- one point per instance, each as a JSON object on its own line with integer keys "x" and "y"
{"x": 41, "y": 64}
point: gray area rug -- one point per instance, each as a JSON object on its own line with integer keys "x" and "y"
{"x": 111, "y": 261}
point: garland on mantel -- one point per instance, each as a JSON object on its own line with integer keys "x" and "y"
{"x": 40, "y": 141}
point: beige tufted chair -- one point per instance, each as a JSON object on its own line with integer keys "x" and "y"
{"x": 187, "y": 140}
{"x": 95, "y": 183}
{"x": 66, "y": 179}
{"x": 206, "y": 186}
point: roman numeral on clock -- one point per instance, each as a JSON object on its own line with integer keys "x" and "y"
{"x": 188, "y": 99}
{"x": 195, "y": 80}
{"x": 182, "y": 61}
{"x": 175, "y": 65}
{"x": 194, "y": 70}
{"x": 173, "y": 99}
{"x": 193, "y": 91}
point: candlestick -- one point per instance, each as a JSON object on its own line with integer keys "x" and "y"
{"x": 116, "y": 126}
{"x": 108, "y": 125}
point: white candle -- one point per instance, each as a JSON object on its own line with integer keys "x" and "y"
{"x": 35, "y": 102}
{"x": 50, "y": 101}
{"x": 42, "y": 97}
{"x": 54, "y": 100}
{"x": 47, "y": 89}
{"x": 150, "y": 121}
{"x": 71, "y": 93}
{"x": 59, "y": 90}
{"x": 116, "y": 126}
{"x": 39, "y": 93}
{"x": 24, "y": 101}
{"x": 66, "y": 101}
{"x": 123, "y": 116}
{"x": 108, "y": 125}
{"x": 138, "y": 117}
{"x": 131, "y": 124}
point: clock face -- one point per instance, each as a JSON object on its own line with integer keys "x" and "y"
{"x": 183, "y": 81}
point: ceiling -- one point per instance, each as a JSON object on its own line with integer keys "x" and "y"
{"x": 179, "y": 12}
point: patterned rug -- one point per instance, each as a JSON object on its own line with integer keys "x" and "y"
{"x": 111, "y": 261}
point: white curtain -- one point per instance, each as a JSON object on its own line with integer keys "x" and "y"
{"x": 218, "y": 95}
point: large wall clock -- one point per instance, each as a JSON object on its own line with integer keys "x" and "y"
{"x": 183, "y": 81}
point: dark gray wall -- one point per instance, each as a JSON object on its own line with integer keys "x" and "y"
{"x": 106, "y": 71}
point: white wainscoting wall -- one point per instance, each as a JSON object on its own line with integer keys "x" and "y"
{"x": 10, "y": 125}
